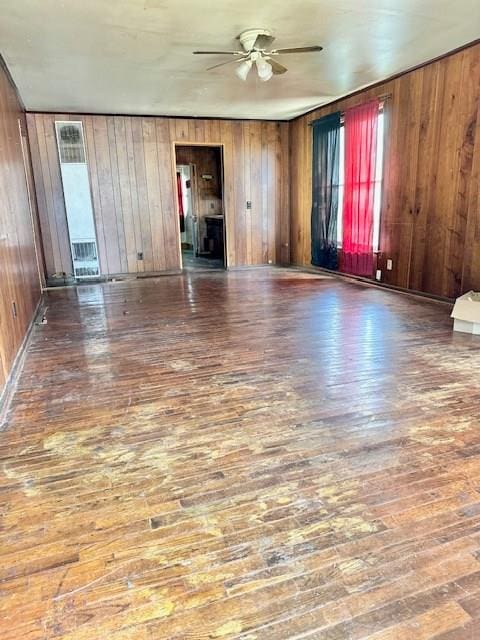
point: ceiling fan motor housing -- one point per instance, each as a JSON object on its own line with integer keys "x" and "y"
{"x": 247, "y": 38}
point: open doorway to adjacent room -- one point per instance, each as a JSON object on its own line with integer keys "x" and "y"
{"x": 199, "y": 173}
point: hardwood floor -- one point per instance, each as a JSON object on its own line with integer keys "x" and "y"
{"x": 258, "y": 455}
{"x": 191, "y": 262}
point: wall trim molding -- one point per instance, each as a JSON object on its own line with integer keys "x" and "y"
{"x": 10, "y": 386}
{"x": 49, "y": 112}
{"x": 372, "y": 283}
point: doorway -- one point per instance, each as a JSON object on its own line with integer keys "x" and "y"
{"x": 199, "y": 174}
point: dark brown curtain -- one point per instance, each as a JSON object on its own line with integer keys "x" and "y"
{"x": 180, "y": 202}
{"x": 325, "y": 179}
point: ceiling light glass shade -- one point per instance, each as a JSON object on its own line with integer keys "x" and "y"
{"x": 264, "y": 69}
{"x": 243, "y": 69}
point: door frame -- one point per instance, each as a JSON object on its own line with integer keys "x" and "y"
{"x": 215, "y": 145}
{"x": 193, "y": 202}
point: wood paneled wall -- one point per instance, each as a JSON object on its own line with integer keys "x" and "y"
{"x": 132, "y": 174}
{"x": 430, "y": 224}
{"x": 19, "y": 278}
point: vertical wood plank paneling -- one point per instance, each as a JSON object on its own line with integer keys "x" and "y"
{"x": 107, "y": 212}
{"x": 247, "y": 177}
{"x": 447, "y": 168}
{"x": 168, "y": 185}
{"x": 95, "y": 192}
{"x": 256, "y": 192}
{"x": 307, "y": 197}
{"x": 114, "y": 146}
{"x": 215, "y": 131}
{"x": 19, "y": 280}
{"x": 427, "y": 153}
{"x": 39, "y": 191}
{"x": 122, "y": 159}
{"x": 32, "y": 202}
{"x": 58, "y": 203}
{"x": 240, "y": 195}
{"x": 265, "y": 182}
{"x": 430, "y": 186}
{"x": 131, "y": 168}
{"x": 284, "y": 213}
{"x": 467, "y": 132}
{"x": 471, "y": 262}
{"x": 137, "y": 265}
{"x": 274, "y": 189}
{"x": 199, "y": 127}
{"x": 297, "y": 186}
{"x": 142, "y": 193}
{"x": 53, "y": 260}
{"x": 154, "y": 194}
{"x": 182, "y": 130}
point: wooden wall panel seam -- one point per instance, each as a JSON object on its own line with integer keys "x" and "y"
{"x": 117, "y": 199}
{"x": 95, "y": 193}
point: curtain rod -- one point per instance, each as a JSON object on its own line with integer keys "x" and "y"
{"x": 382, "y": 98}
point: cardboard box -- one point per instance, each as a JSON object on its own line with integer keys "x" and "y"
{"x": 466, "y": 313}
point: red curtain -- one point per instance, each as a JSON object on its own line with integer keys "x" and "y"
{"x": 180, "y": 202}
{"x": 360, "y": 155}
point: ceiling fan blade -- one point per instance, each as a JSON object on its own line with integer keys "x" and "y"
{"x": 277, "y": 68}
{"x": 263, "y": 41}
{"x": 215, "y": 66}
{"x": 298, "y": 50}
{"x": 218, "y": 53}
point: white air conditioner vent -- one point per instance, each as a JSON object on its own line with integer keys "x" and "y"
{"x": 84, "y": 251}
{"x": 70, "y": 142}
{"x": 78, "y": 201}
{"x": 86, "y": 272}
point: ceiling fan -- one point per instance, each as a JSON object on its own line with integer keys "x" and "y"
{"x": 256, "y": 51}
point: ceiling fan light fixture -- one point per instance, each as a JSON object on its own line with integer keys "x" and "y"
{"x": 243, "y": 69}
{"x": 258, "y": 51}
{"x": 264, "y": 69}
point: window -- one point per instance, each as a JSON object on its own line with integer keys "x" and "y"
{"x": 378, "y": 184}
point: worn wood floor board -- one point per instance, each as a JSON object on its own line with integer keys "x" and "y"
{"x": 255, "y": 455}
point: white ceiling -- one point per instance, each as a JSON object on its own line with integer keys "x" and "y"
{"x": 134, "y": 56}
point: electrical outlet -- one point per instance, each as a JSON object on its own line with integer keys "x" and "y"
{"x": 249, "y": 204}
{"x": 140, "y": 255}
{"x": 389, "y": 265}
{"x": 378, "y": 275}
